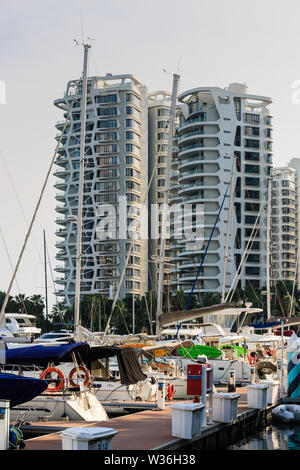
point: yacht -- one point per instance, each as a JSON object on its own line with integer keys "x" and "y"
{"x": 19, "y": 328}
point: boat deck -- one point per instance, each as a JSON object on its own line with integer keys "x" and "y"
{"x": 145, "y": 430}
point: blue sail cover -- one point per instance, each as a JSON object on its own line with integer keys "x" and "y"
{"x": 41, "y": 355}
{"x": 20, "y": 389}
{"x": 263, "y": 326}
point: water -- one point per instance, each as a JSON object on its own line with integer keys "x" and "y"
{"x": 279, "y": 437}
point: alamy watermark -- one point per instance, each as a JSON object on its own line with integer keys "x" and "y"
{"x": 184, "y": 222}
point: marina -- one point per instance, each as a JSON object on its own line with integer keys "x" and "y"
{"x": 174, "y": 324}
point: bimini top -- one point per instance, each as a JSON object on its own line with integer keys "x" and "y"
{"x": 20, "y": 389}
{"x": 41, "y": 356}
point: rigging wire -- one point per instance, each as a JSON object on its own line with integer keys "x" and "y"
{"x": 2, "y": 312}
{"x": 12, "y": 267}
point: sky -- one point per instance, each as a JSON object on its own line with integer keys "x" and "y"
{"x": 211, "y": 43}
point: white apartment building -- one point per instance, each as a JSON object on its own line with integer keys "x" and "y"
{"x": 219, "y": 128}
{"x": 283, "y": 224}
{"x": 116, "y": 165}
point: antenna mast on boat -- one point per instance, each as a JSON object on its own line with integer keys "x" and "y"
{"x": 81, "y": 190}
{"x": 165, "y": 202}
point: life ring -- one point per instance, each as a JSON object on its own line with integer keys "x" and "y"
{"x": 61, "y": 383}
{"x": 269, "y": 352}
{"x": 86, "y": 372}
{"x": 252, "y": 359}
{"x": 170, "y": 392}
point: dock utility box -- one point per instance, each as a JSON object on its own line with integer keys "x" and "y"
{"x": 272, "y": 392}
{"x": 87, "y": 438}
{"x": 194, "y": 379}
{"x": 225, "y": 407}
{"x": 187, "y": 419}
{"x": 257, "y": 396}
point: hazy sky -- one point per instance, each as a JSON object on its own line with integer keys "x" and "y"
{"x": 213, "y": 42}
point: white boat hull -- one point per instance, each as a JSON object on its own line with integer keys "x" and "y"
{"x": 81, "y": 406}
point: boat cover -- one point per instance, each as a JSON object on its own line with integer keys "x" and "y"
{"x": 41, "y": 355}
{"x": 129, "y": 367}
{"x": 265, "y": 325}
{"x": 20, "y": 389}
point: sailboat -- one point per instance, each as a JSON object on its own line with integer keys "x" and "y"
{"x": 80, "y": 403}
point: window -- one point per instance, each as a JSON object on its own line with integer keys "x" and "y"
{"x": 132, "y": 123}
{"x": 131, "y": 97}
{"x": 252, "y": 271}
{"x": 113, "y": 111}
{"x": 163, "y": 112}
{"x": 252, "y": 156}
{"x": 251, "y": 207}
{"x": 250, "y": 219}
{"x": 107, "y": 124}
{"x": 132, "y": 148}
{"x": 252, "y": 118}
{"x": 130, "y": 160}
{"x": 162, "y": 124}
{"x": 252, "y": 181}
{"x": 251, "y": 168}
{"x": 251, "y": 143}
{"x": 162, "y": 136}
{"x": 106, "y": 98}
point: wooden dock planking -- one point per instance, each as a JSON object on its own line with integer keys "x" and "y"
{"x": 144, "y": 430}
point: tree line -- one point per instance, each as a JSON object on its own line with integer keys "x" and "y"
{"x": 95, "y": 309}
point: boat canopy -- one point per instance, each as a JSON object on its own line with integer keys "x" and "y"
{"x": 171, "y": 318}
{"x": 20, "y": 389}
{"x": 41, "y": 355}
{"x": 129, "y": 367}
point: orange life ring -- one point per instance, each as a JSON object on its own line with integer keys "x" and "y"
{"x": 251, "y": 359}
{"x": 170, "y": 392}
{"x": 86, "y": 372}
{"x": 58, "y": 387}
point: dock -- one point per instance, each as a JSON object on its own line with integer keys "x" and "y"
{"x": 152, "y": 430}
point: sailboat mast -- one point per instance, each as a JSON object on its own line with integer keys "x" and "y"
{"x": 81, "y": 190}
{"x": 228, "y": 228}
{"x": 268, "y": 249}
{"x": 46, "y": 280}
{"x": 165, "y": 202}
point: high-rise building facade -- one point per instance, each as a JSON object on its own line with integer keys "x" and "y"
{"x": 283, "y": 224}
{"x": 116, "y": 165}
{"x": 220, "y": 128}
{"x": 126, "y": 145}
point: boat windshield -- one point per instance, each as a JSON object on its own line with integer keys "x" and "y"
{"x": 225, "y": 320}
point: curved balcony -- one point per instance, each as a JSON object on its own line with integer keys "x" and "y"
{"x": 187, "y": 188}
{"x": 190, "y": 136}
